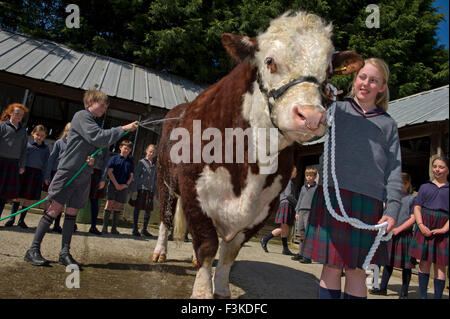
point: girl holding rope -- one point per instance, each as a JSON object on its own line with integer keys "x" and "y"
{"x": 368, "y": 168}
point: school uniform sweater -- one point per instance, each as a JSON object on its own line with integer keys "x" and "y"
{"x": 368, "y": 158}
{"x": 13, "y": 143}
{"x": 37, "y": 155}
{"x": 145, "y": 176}
{"x": 84, "y": 138}
{"x": 305, "y": 198}
{"x": 406, "y": 209}
{"x": 55, "y": 156}
{"x": 101, "y": 162}
{"x": 289, "y": 194}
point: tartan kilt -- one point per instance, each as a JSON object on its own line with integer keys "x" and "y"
{"x": 285, "y": 214}
{"x": 434, "y": 248}
{"x": 329, "y": 241}
{"x": 143, "y": 201}
{"x": 94, "y": 192}
{"x": 31, "y": 183}
{"x": 9, "y": 178}
{"x": 398, "y": 250}
{"x": 45, "y": 187}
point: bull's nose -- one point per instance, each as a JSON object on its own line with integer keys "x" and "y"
{"x": 312, "y": 116}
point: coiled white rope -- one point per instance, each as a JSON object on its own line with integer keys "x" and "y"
{"x": 381, "y": 228}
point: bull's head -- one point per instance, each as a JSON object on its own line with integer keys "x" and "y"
{"x": 292, "y": 58}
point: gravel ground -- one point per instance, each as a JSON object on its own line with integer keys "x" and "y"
{"x": 120, "y": 266}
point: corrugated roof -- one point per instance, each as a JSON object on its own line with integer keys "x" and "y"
{"x": 427, "y": 106}
{"x": 49, "y": 61}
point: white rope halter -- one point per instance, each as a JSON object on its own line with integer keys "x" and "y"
{"x": 381, "y": 228}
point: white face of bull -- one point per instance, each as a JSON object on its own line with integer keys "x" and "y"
{"x": 295, "y": 46}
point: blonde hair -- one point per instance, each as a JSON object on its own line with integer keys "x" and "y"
{"x": 152, "y": 146}
{"x": 40, "y": 128}
{"x": 406, "y": 178}
{"x": 91, "y": 96}
{"x": 382, "y": 99}
{"x": 311, "y": 171}
{"x": 65, "y": 132}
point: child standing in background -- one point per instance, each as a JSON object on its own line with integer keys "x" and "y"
{"x": 285, "y": 216}
{"x": 303, "y": 208}
{"x": 145, "y": 185}
{"x": 97, "y": 190}
{"x": 398, "y": 246}
{"x": 52, "y": 166}
{"x": 13, "y": 147}
{"x": 120, "y": 173}
{"x": 430, "y": 241}
{"x": 31, "y": 181}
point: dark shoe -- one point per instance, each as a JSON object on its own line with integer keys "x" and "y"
{"x": 22, "y": 224}
{"x": 305, "y": 260}
{"x": 67, "y": 259}
{"x": 75, "y": 228}
{"x": 287, "y": 252}
{"x": 170, "y": 237}
{"x": 135, "y": 233}
{"x": 57, "y": 229}
{"x": 145, "y": 233}
{"x": 403, "y": 297}
{"x": 9, "y": 223}
{"x": 297, "y": 257}
{"x": 114, "y": 231}
{"x": 34, "y": 257}
{"x": 379, "y": 292}
{"x": 264, "y": 245}
{"x": 94, "y": 231}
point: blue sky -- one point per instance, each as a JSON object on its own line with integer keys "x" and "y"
{"x": 442, "y": 32}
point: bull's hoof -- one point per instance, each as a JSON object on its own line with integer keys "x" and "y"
{"x": 216, "y": 296}
{"x": 162, "y": 258}
{"x": 158, "y": 258}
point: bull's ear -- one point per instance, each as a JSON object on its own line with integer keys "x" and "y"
{"x": 346, "y": 62}
{"x": 239, "y": 47}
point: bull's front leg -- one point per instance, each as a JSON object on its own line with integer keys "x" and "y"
{"x": 160, "y": 252}
{"x": 227, "y": 255}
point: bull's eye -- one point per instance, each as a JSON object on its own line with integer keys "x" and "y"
{"x": 268, "y": 61}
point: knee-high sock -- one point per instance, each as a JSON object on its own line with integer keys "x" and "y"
{"x": 14, "y": 209}
{"x": 146, "y": 219}
{"x": 423, "y": 284}
{"x": 439, "y": 285}
{"x": 135, "y": 218}
{"x": 41, "y": 230}
{"x": 23, "y": 214}
{"x": 387, "y": 272}
{"x": 58, "y": 220}
{"x": 406, "y": 278}
{"x": 67, "y": 232}
{"x": 94, "y": 212}
{"x": 268, "y": 237}
{"x": 329, "y": 293}
{"x": 284, "y": 241}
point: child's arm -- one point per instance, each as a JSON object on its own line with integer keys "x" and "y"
{"x": 418, "y": 216}
{"x": 130, "y": 179}
{"x": 442, "y": 230}
{"x": 114, "y": 181}
{"x": 405, "y": 225}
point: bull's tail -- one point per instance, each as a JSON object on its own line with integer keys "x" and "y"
{"x": 180, "y": 224}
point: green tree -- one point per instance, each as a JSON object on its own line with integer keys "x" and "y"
{"x": 183, "y": 36}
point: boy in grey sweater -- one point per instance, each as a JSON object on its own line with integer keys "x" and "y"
{"x": 303, "y": 208}
{"x": 85, "y": 136}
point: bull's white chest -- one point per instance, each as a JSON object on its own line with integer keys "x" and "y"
{"x": 230, "y": 213}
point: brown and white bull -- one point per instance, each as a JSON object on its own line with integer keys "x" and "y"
{"x": 275, "y": 86}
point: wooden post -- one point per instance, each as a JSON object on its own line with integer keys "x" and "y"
{"x": 435, "y": 150}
